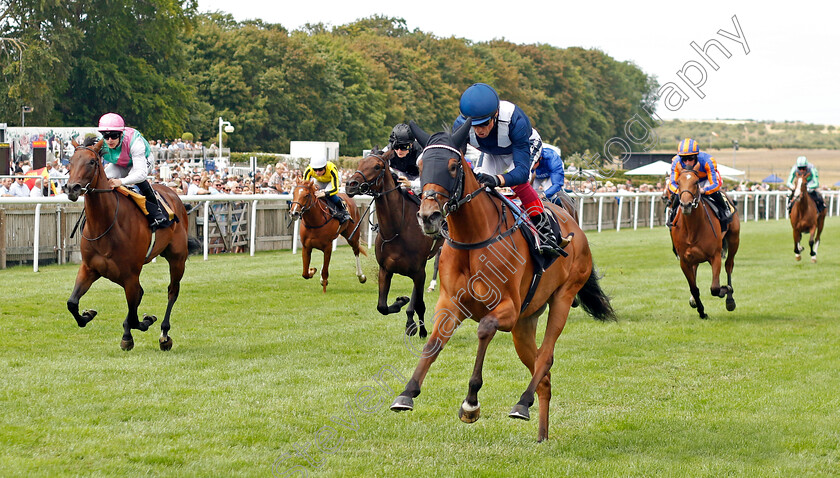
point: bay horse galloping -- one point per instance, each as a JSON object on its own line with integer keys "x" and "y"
{"x": 805, "y": 218}
{"x": 401, "y": 247}
{"x": 319, "y": 228}
{"x": 486, "y": 274}
{"x": 697, "y": 237}
{"x": 116, "y": 242}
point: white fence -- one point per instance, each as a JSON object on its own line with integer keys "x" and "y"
{"x": 750, "y": 206}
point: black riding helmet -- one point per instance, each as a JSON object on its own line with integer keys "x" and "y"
{"x": 401, "y": 136}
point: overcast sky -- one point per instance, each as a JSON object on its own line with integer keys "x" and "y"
{"x": 792, "y": 70}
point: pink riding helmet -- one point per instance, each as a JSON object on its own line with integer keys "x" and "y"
{"x": 111, "y": 122}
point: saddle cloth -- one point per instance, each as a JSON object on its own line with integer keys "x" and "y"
{"x": 529, "y": 232}
{"x": 139, "y": 199}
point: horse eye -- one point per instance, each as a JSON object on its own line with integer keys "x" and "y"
{"x": 377, "y": 167}
{"x": 93, "y": 162}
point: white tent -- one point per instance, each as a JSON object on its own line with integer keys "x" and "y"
{"x": 659, "y": 168}
{"x": 729, "y": 173}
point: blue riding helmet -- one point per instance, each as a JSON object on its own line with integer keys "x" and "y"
{"x": 479, "y": 102}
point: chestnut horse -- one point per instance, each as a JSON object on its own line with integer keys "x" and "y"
{"x": 486, "y": 274}
{"x": 697, "y": 237}
{"x": 805, "y": 218}
{"x": 319, "y": 228}
{"x": 116, "y": 242}
{"x": 401, "y": 247}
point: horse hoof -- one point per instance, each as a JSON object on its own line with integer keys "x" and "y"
{"x": 704, "y": 316}
{"x": 432, "y": 286}
{"x": 411, "y": 329}
{"x": 423, "y": 332}
{"x": 402, "y": 404}
{"x": 87, "y": 315}
{"x": 520, "y": 412}
{"x": 798, "y": 257}
{"x": 692, "y": 303}
{"x": 469, "y": 414}
{"x": 730, "y": 305}
{"x": 165, "y": 343}
{"x": 149, "y": 319}
{"x": 814, "y": 260}
{"x": 127, "y": 345}
{"x": 575, "y": 302}
{"x": 362, "y": 279}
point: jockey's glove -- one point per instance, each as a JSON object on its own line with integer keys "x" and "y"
{"x": 489, "y": 180}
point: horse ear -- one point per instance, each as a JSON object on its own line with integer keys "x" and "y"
{"x": 422, "y": 136}
{"x": 98, "y": 145}
{"x": 459, "y": 137}
{"x": 74, "y": 143}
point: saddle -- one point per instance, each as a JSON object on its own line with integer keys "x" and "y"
{"x": 332, "y": 208}
{"x": 140, "y": 200}
{"x": 724, "y": 225}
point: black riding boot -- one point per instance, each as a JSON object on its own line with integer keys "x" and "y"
{"x": 341, "y": 212}
{"x": 724, "y": 213}
{"x": 157, "y": 218}
{"x": 548, "y": 243}
{"x": 672, "y": 210}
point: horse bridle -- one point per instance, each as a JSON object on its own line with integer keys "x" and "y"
{"x": 453, "y": 198}
{"x": 309, "y": 203}
{"x": 87, "y": 188}
{"x": 365, "y": 187}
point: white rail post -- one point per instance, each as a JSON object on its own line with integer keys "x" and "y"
{"x": 580, "y": 211}
{"x": 756, "y": 205}
{"x": 295, "y": 234}
{"x": 746, "y": 208}
{"x": 767, "y": 206}
{"x": 652, "y": 211}
{"x": 618, "y": 215}
{"x": 600, "y": 211}
{"x": 206, "y": 228}
{"x": 777, "y": 206}
{"x": 37, "y": 237}
{"x": 370, "y": 222}
{"x": 253, "y": 226}
{"x": 636, "y": 214}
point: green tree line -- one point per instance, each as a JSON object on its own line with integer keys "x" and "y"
{"x": 168, "y": 69}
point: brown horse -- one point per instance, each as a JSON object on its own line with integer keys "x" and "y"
{"x": 319, "y": 228}
{"x": 401, "y": 247}
{"x": 116, "y": 242}
{"x": 805, "y": 218}
{"x": 697, "y": 237}
{"x": 486, "y": 274}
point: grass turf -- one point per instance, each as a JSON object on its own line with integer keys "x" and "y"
{"x": 269, "y": 375}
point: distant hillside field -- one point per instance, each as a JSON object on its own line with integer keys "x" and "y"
{"x": 765, "y": 147}
{"x": 760, "y": 163}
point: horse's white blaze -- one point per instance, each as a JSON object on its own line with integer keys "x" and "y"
{"x": 469, "y": 408}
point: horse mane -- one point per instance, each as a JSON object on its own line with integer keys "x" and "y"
{"x": 90, "y": 141}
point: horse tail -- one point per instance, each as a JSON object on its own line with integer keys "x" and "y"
{"x": 363, "y": 249}
{"x": 593, "y": 299}
{"x": 194, "y": 245}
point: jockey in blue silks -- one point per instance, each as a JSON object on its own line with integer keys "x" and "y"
{"x": 549, "y": 165}
{"x": 503, "y": 134}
